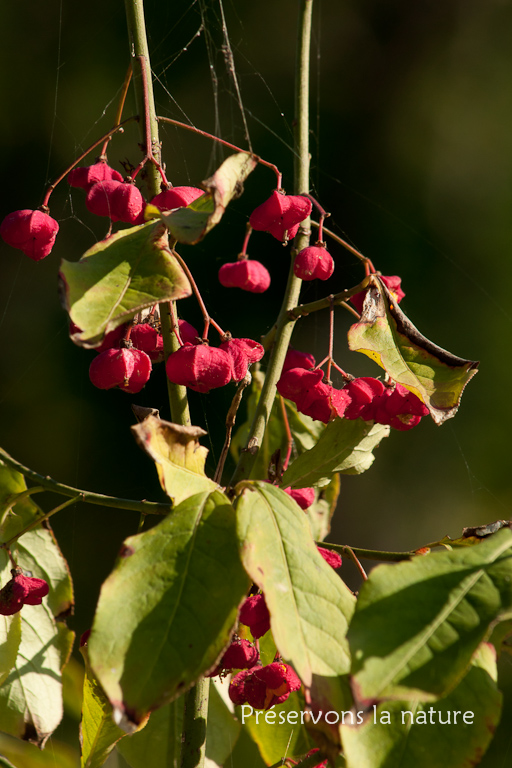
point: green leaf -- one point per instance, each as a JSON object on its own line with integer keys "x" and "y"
{"x": 31, "y": 694}
{"x": 118, "y": 277}
{"x": 24, "y": 755}
{"x": 422, "y": 740}
{"x": 445, "y": 604}
{"x": 321, "y": 511}
{"x": 191, "y": 223}
{"x": 345, "y": 446}
{"x": 386, "y": 335}
{"x": 178, "y": 455}
{"x": 168, "y": 609}
{"x": 10, "y": 638}
{"x": 222, "y": 729}
{"x": 305, "y": 431}
{"x": 158, "y": 743}
{"x": 309, "y": 605}
{"x": 278, "y": 732}
{"x": 99, "y": 732}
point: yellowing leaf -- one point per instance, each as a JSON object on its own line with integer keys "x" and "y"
{"x": 178, "y": 455}
{"x": 386, "y": 335}
{"x": 191, "y": 223}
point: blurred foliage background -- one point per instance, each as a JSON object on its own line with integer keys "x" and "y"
{"x": 411, "y": 115}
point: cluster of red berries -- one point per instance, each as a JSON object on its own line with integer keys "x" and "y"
{"x": 281, "y": 216}
{"x": 21, "y": 590}
{"x": 202, "y": 368}
{"x": 366, "y": 398}
{"x": 108, "y": 194}
{"x": 264, "y": 687}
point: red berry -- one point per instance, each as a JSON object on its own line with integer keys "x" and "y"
{"x": 364, "y": 394}
{"x": 21, "y": 590}
{"x": 400, "y": 408}
{"x": 304, "y": 497}
{"x": 296, "y": 359}
{"x": 85, "y": 176}
{"x": 263, "y": 687}
{"x": 254, "y": 614}
{"x": 331, "y": 558}
{"x": 188, "y": 333}
{"x": 112, "y": 338}
{"x": 199, "y": 367}
{"x": 313, "y": 263}
{"x": 247, "y": 274}
{"x": 392, "y": 283}
{"x": 281, "y": 214}
{"x": 176, "y": 197}
{"x": 146, "y": 337}
{"x": 128, "y": 369}
{"x": 237, "y": 687}
{"x": 33, "y": 232}
{"x": 243, "y": 353}
{"x": 117, "y": 200}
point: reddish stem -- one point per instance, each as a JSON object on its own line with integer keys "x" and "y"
{"x": 331, "y": 338}
{"x": 225, "y": 144}
{"x": 120, "y": 108}
{"x": 175, "y": 326}
{"x": 44, "y": 204}
{"x": 242, "y": 256}
{"x": 207, "y": 319}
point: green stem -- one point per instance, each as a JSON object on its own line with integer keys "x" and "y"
{"x": 143, "y": 86}
{"x": 285, "y": 322}
{"x": 196, "y": 710}
{"x": 178, "y": 401}
{"x": 149, "y": 507}
{"x": 195, "y": 718}
{"x": 328, "y": 301}
{"x": 36, "y": 523}
{"x": 368, "y": 554}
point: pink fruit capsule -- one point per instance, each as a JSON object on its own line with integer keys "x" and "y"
{"x": 128, "y": 369}
{"x": 176, "y": 197}
{"x": 199, "y": 367}
{"x": 85, "y": 176}
{"x": 247, "y": 274}
{"x": 313, "y": 263}
{"x": 33, "y": 232}
{"x": 281, "y": 214}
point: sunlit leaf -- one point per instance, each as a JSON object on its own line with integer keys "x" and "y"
{"x": 279, "y": 731}
{"x": 20, "y": 754}
{"x": 31, "y": 694}
{"x": 321, "y": 511}
{"x": 158, "y": 743}
{"x": 447, "y": 604}
{"x": 10, "y": 638}
{"x": 99, "y": 733}
{"x": 423, "y": 736}
{"x": 191, "y": 223}
{"x": 222, "y": 730}
{"x": 118, "y": 277}
{"x": 386, "y": 335}
{"x": 345, "y": 446}
{"x": 178, "y": 455}
{"x": 309, "y": 605}
{"x": 167, "y": 610}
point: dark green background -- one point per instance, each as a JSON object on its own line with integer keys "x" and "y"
{"x": 411, "y": 152}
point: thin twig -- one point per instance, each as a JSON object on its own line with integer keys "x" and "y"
{"x": 39, "y": 520}
{"x": 230, "y": 423}
{"x": 150, "y": 507}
